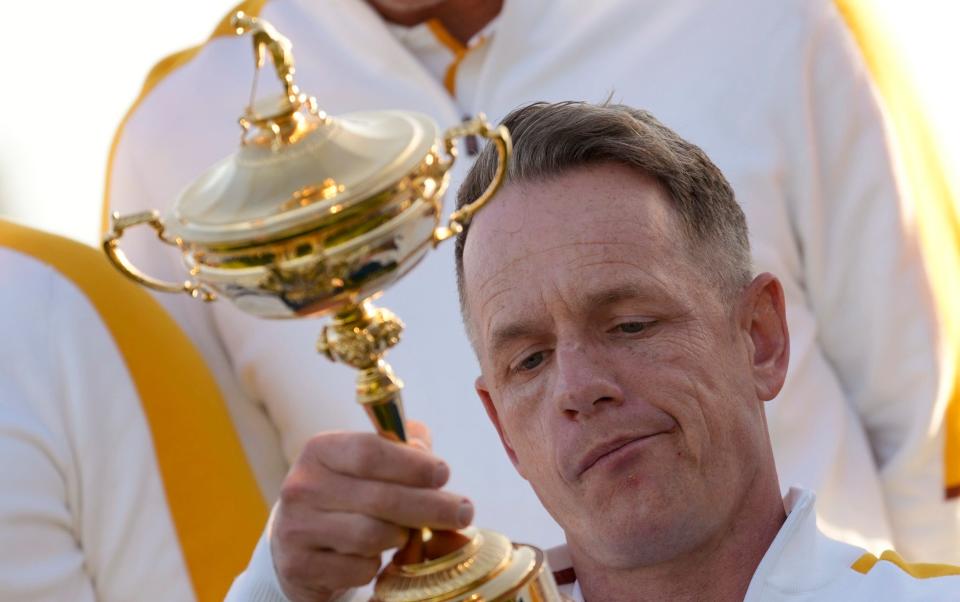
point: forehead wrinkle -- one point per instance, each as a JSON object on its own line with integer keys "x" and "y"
{"x": 489, "y": 282}
{"x": 559, "y": 294}
{"x": 642, "y": 280}
{"x": 644, "y": 268}
{"x": 598, "y": 296}
{"x": 482, "y": 285}
{"x": 488, "y": 300}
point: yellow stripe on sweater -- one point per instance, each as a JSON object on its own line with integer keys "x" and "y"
{"x": 217, "y": 508}
{"x": 938, "y": 214}
{"x": 157, "y": 74}
{"x": 452, "y": 44}
{"x": 918, "y": 570}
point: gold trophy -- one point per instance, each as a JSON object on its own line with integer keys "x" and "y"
{"x": 315, "y": 215}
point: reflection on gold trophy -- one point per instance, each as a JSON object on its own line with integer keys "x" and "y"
{"x": 316, "y": 215}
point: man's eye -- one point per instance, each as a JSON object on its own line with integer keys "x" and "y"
{"x": 530, "y": 362}
{"x": 632, "y": 327}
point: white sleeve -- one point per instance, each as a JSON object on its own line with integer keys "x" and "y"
{"x": 867, "y": 286}
{"x": 40, "y": 555}
{"x": 40, "y": 558}
{"x": 83, "y": 514}
{"x": 259, "y": 583}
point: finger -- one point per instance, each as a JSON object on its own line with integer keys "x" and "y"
{"x": 412, "y": 507}
{"x": 315, "y": 574}
{"x": 369, "y": 456}
{"x": 340, "y": 532}
{"x": 419, "y": 435}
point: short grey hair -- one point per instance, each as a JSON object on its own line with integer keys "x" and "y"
{"x": 552, "y": 138}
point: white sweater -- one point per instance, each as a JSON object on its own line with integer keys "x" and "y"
{"x": 83, "y": 516}
{"x": 122, "y": 476}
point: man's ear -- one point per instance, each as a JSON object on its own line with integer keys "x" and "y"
{"x": 484, "y": 394}
{"x": 764, "y": 320}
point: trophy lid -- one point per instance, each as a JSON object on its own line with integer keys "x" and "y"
{"x": 296, "y": 166}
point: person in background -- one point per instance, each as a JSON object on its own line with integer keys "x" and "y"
{"x": 121, "y": 477}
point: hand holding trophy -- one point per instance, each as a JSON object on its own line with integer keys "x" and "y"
{"x": 315, "y": 215}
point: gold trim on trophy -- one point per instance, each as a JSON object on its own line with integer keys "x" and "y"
{"x": 315, "y": 215}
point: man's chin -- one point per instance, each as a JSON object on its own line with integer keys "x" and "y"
{"x": 633, "y": 538}
{"x": 647, "y": 508}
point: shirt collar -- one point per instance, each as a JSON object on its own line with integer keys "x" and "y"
{"x": 800, "y": 558}
{"x": 419, "y": 38}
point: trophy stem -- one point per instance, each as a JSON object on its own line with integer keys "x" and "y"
{"x": 378, "y": 390}
{"x": 359, "y": 336}
{"x": 434, "y": 566}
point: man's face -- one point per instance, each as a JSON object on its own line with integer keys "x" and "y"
{"x": 623, "y": 384}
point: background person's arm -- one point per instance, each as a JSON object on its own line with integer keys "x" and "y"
{"x": 867, "y": 286}
{"x": 83, "y": 514}
{"x": 40, "y": 559}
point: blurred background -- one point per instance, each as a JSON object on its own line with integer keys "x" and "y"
{"x": 72, "y": 69}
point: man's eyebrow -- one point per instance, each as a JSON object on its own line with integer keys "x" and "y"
{"x": 617, "y": 293}
{"x": 507, "y": 333}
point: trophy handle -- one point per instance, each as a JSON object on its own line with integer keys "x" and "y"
{"x": 500, "y": 136}
{"x": 111, "y": 246}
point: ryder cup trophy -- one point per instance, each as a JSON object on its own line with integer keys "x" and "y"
{"x": 316, "y": 215}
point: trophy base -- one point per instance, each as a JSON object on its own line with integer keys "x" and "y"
{"x": 487, "y": 569}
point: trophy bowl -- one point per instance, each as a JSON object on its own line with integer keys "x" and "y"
{"x": 315, "y": 215}
{"x": 271, "y": 230}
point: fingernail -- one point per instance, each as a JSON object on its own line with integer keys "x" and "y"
{"x": 441, "y": 474}
{"x": 419, "y": 444}
{"x": 465, "y": 513}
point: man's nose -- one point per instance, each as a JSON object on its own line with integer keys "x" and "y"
{"x": 586, "y": 382}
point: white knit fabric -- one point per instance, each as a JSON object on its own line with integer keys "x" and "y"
{"x": 83, "y": 516}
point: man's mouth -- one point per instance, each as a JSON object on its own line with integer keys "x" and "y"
{"x": 610, "y": 450}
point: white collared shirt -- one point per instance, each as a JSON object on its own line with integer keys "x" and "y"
{"x": 803, "y": 564}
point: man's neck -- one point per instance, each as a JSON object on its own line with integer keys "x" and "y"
{"x": 722, "y": 568}
{"x": 462, "y": 18}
